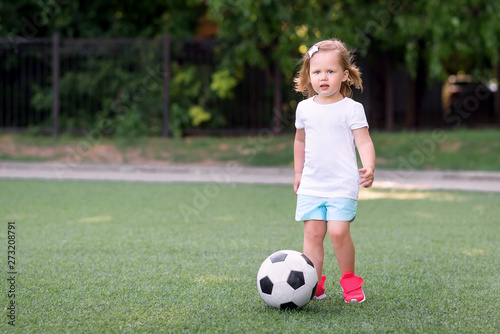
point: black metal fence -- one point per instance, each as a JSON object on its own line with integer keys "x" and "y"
{"x": 168, "y": 87}
{"x": 129, "y": 86}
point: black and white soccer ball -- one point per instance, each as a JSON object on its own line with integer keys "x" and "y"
{"x": 287, "y": 279}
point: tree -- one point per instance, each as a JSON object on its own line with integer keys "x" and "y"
{"x": 110, "y": 85}
{"x": 91, "y": 19}
{"x": 431, "y": 38}
{"x": 445, "y": 38}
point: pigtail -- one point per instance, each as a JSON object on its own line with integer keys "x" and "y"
{"x": 302, "y": 83}
{"x": 354, "y": 78}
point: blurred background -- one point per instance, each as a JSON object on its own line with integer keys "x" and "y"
{"x": 176, "y": 68}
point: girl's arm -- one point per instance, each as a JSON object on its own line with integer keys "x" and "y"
{"x": 367, "y": 154}
{"x": 299, "y": 151}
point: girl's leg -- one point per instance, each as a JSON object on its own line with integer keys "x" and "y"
{"x": 314, "y": 234}
{"x": 340, "y": 235}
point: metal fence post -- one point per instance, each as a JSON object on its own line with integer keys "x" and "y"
{"x": 166, "y": 85}
{"x": 389, "y": 94}
{"x": 277, "y": 116}
{"x": 55, "y": 83}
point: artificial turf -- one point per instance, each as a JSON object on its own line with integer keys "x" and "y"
{"x": 105, "y": 257}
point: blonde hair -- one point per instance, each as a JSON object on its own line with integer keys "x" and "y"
{"x": 302, "y": 80}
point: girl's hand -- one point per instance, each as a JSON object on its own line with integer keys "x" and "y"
{"x": 367, "y": 154}
{"x": 366, "y": 176}
{"x": 296, "y": 182}
{"x": 299, "y": 151}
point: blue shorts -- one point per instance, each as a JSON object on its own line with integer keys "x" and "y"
{"x": 325, "y": 208}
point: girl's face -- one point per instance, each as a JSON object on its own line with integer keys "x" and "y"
{"x": 327, "y": 75}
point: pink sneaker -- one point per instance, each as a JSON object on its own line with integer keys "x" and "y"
{"x": 351, "y": 285}
{"x": 320, "y": 290}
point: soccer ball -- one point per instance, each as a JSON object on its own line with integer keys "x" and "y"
{"x": 287, "y": 279}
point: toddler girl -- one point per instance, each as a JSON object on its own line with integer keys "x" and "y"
{"x": 329, "y": 127}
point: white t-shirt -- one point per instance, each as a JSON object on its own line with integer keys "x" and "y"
{"x": 330, "y": 168}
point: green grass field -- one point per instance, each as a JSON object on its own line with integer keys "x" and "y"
{"x": 107, "y": 257}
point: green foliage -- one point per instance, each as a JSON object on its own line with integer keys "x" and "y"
{"x": 460, "y": 35}
{"x": 198, "y": 115}
{"x": 179, "y": 120}
{"x": 430, "y": 38}
{"x": 132, "y": 124}
{"x": 261, "y": 29}
{"x": 191, "y": 98}
{"x": 124, "y": 18}
{"x": 131, "y": 100}
{"x": 449, "y": 37}
{"x": 113, "y": 92}
{"x": 223, "y": 83}
{"x": 97, "y": 89}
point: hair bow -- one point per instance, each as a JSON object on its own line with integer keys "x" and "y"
{"x": 313, "y": 50}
